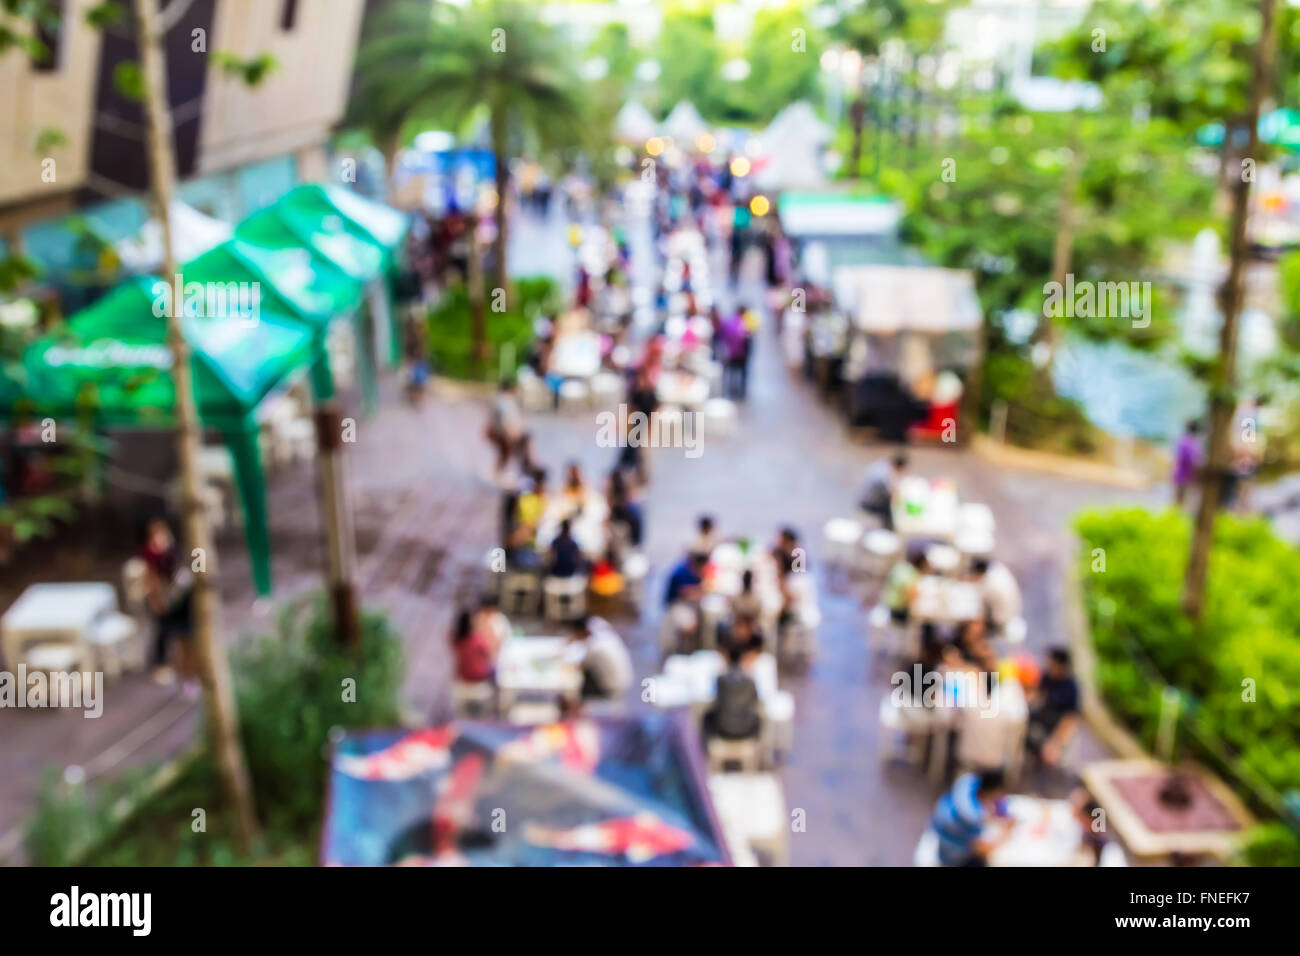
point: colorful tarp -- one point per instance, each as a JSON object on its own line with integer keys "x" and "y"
{"x": 610, "y": 791}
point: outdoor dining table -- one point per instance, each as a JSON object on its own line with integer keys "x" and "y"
{"x": 63, "y": 612}
{"x": 926, "y": 509}
{"x": 1043, "y": 833}
{"x": 536, "y": 665}
{"x": 941, "y": 600}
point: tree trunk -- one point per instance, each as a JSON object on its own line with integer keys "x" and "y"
{"x": 1224, "y": 379}
{"x": 503, "y": 183}
{"x": 474, "y": 290}
{"x": 856, "y": 114}
{"x": 221, "y": 717}
{"x": 1062, "y": 250}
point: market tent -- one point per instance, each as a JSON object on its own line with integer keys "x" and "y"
{"x": 609, "y": 791}
{"x": 884, "y": 299}
{"x": 796, "y": 121}
{"x": 684, "y": 124}
{"x": 634, "y": 123}
{"x": 193, "y": 234}
{"x": 824, "y": 213}
{"x": 306, "y": 286}
{"x": 791, "y": 150}
{"x": 345, "y": 246}
{"x": 113, "y": 358}
{"x": 335, "y": 208}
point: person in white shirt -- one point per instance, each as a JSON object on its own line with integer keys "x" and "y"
{"x": 998, "y": 590}
{"x": 606, "y": 664}
{"x": 705, "y": 541}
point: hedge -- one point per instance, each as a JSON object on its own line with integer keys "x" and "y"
{"x": 451, "y": 333}
{"x": 1249, "y": 646}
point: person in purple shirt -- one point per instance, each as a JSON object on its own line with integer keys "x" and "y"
{"x": 1188, "y": 456}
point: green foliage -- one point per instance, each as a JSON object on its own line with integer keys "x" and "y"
{"x": 1271, "y": 844}
{"x": 69, "y": 819}
{"x": 129, "y": 80}
{"x": 1251, "y": 626}
{"x": 291, "y": 695}
{"x": 451, "y": 342}
{"x": 251, "y": 71}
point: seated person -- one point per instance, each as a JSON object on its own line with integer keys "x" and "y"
{"x": 960, "y": 815}
{"x": 935, "y": 654}
{"x": 737, "y": 712}
{"x": 999, "y": 592}
{"x": 788, "y": 556}
{"x": 880, "y": 486}
{"x": 575, "y": 489}
{"x": 705, "y": 541}
{"x": 606, "y": 664}
{"x": 1053, "y": 709}
{"x": 532, "y": 502}
{"x": 900, "y": 586}
{"x": 624, "y": 510}
{"x": 682, "y": 596}
{"x": 565, "y": 559}
{"x": 746, "y": 604}
{"x": 474, "y": 651}
{"x": 491, "y": 621}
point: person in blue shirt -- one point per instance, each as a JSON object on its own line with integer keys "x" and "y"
{"x": 681, "y": 602}
{"x": 960, "y": 815}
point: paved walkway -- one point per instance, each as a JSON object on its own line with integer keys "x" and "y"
{"x": 426, "y": 516}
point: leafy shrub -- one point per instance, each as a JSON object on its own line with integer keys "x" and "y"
{"x": 509, "y": 333}
{"x": 1251, "y": 626}
{"x": 290, "y": 691}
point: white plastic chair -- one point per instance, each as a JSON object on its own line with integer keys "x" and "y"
{"x": 520, "y": 592}
{"x": 880, "y": 549}
{"x": 841, "y": 537}
{"x": 574, "y": 395}
{"x": 564, "y": 599}
{"x": 606, "y": 388}
{"x": 636, "y": 571}
{"x": 748, "y": 753}
{"x": 117, "y": 644}
{"x": 974, "y": 516}
{"x": 720, "y": 416}
{"x": 470, "y": 698}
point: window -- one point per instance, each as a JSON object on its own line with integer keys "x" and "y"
{"x": 50, "y": 33}
{"x": 288, "y": 14}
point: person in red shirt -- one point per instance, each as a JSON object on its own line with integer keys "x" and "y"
{"x": 474, "y": 649}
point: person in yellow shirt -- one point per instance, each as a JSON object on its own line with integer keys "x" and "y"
{"x": 532, "y": 504}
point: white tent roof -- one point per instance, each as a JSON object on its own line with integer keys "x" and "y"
{"x": 193, "y": 234}
{"x": 797, "y": 122}
{"x": 795, "y": 165}
{"x": 886, "y": 299}
{"x": 684, "y": 124}
{"x": 634, "y": 123}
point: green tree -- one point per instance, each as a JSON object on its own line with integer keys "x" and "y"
{"x": 434, "y": 59}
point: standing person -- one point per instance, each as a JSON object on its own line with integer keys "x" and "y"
{"x": 734, "y": 345}
{"x": 880, "y": 487}
{"x": 505, "y": 427}
{"x": 1188, "y": 457}
{"x": 705, "y": 539}
{"x": 960, "y": 815}
{"x": 999, "y": 593}
{"x": 168, "y": 593}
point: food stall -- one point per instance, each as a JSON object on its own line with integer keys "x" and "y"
{"x": 912, "y": 337}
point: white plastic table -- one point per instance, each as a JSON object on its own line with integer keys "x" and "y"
{"x": 536, "y": 665}
{"x": 1043, "y": 833}
{"x": 926, "y": 509}
{"x": 751, "y": 809}
{"x": 588, "y": 527}
{"x": 54, "y": 612}
{"x": 946, "y": 601}
{"x": 682, "y": 388}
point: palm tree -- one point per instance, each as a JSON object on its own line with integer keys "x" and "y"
{"x": 431, "y": 60}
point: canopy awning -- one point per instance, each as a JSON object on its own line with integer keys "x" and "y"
{"x": 609, "y": 791}
{"x": 114, "y": 357}
{"x": 382, "y": 225}
{"x": 634, "y": 123}
{"x": 193, "y": 234}
{"x": 827, "y": 213}
{"x": 881, "y": 300}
